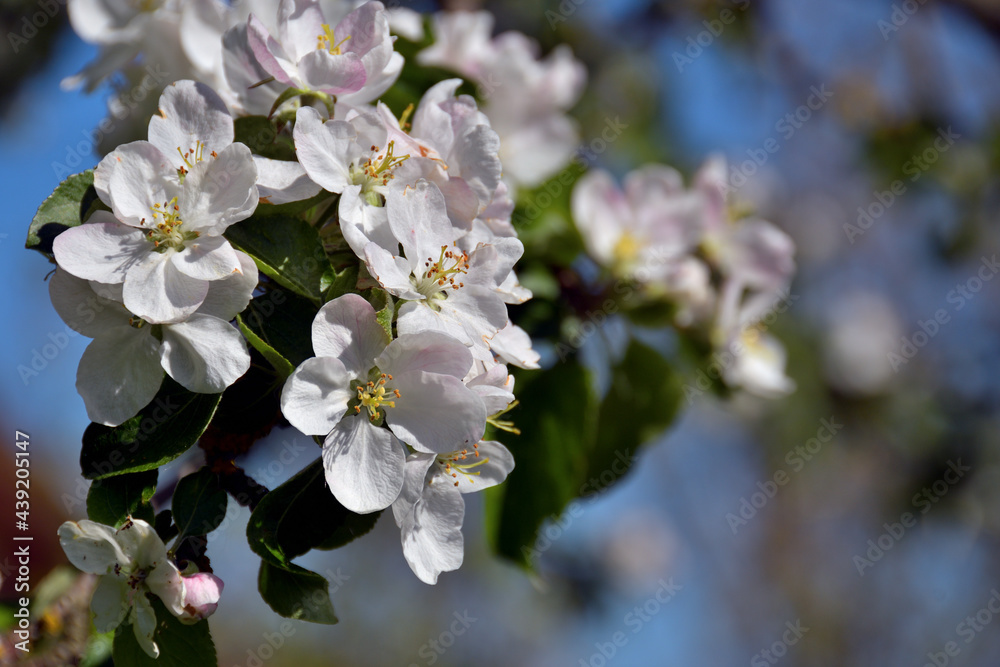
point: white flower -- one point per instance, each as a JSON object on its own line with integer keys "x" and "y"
{"x": 446, "y": 289}
{"x": 513, "y": 345}
{"x": 122, "y": 368}
{"x": 132, "y": 562}
{"x": 758, "y": 365}
{"x": 352, "y": 59}
{"x": 430, "y": 508}
{"x": 360, "y": 379}
{"x": 172, "y": 198}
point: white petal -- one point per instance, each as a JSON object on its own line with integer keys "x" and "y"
{"x": 364, "y": 465}
{"x": 204, "y": 354}
{"x": 432, "y": 539}
{"x": 281, "y": 181}
{"x": 426, "y": 351}
{"x": 192, "y": 117}
{"x": 90, "y": 546}
{"x": 346, "y": 329}
{"x": 419, "y": 219}
{"x": 109, "y": 603}
{"x": 488, "y": 469}
{"x": 513, "y": 345}
{"x": 101, "y": 250}
{"x": 376, "y": 85}
{"x": 82, "y": 308}
{"x": 414, "y": 474}
{"x": 144, "y": 177}
{"x": 157, "y": 292}
{"x": 316, "y": 394}
{"x": 325, "y": 150}
{"x": 119, "y": 374}
{"x": 299, "y": 24}
{"x": 144, "y": 625}
{"x": 334, "y": 74}
{"x": 267, "y": 51}
{"x": 435, "y": 413}
{"x": 226, "y": 298}
{"x": 362, "y": 223}
{"x": 218, "y": 192}
{"x": 207, "y": 258}
{"x": 600, "y": 212}
{"x": 393, "y": 273}
{"x": 165, "y": 582}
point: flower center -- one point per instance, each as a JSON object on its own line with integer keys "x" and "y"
{"x": 453, "y": 464}
{"x": 329, "y": 42}
{"x": 192, "y": 157}
{"x": 373, "y": 395}
{"x": 440, "y": 275}
{"x": 376, "y": 172}
{"x": 166, "y": 232}
{"x": 627, "y": 249}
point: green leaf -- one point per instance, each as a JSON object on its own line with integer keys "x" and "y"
{"x": 384, "y": 314}
{"x": 66, "y": 207}
{"x": 199, "y": 503}
{"x": 293, "y": 208}
{"x": 646, "y": 389}
{"x": 162, "y": 431}
{"x": 111, "y": 501}
{"x": 275, "y": 358}
{"x": 342, "y": 282}
{"x": 294, "y": 592}
{"x": 556, "y": 416}
{"x": 285, "y": 248}
{"x": 282, "y": 320}
{"x": 302, "y": 514}
{"x": 262, "y": 138}
{"x": 180, "y": 645}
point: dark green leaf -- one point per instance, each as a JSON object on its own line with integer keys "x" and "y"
{"x": 113, "y": 500}
{"x": 283, "y": 321}
{"x": 285, "y": 248}
{"x": 342, "y": 282}
{"x": 556, "y": 417}
{"x": 199, "y": 503}
{"x": 294, "y": 592}
{"x": 262, "y": 138}
{"x": 642, "y": 401}
{"x": 64, "y": 208}
{"x": 275, "y": 358}
{"x": 180, "y": 645}
{"x": 162, "y": 431}
{"x": 293, "y": 208}
{"x": 302, "y": 514}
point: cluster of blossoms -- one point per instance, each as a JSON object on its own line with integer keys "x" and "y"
{"x": 420, "y": 200}
{"x": 723, "y": 274}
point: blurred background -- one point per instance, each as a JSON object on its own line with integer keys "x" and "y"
{"x": 854, "y": 522}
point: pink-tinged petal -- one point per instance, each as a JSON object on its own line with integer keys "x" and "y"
{"x": 377, "y": 83}
{"x": 193, "y": 121}
{"x": 315, "y": 395}
{"x": 346, "y": 329}
{"x": 601, "y": 213}
{"x": 143, "y": 178}
{"x": 119, "y": 374}
{"x": 267, "y": 51}
{"x": 477, "y": 154}
{"x": 204, "y": 354}
{"x": 393, "y": 273}
{"x": 334, "y": 74}
{"x": 712, "y": 181}
{"x": 109, "y": 603}
{"x": 99, "y": 250}
{"x": 202, "y": 592}
{"x": 364, "y": 465}
{"x": 242, "y": 71}
{"x": 226, "y": 298}
{"x": 431, "y": 122}
{"x": 157, "y": 292}
{"x": 281, "y": 181}
{"x": 325, "y": 150}
{"x": 300, "y": 23}
{"x": 91, "y": 547}
{"x": 432, "y": 538}
{"x": 220, "y": 191}
{"x": 428, "y": 351}
{"x": 435, "y": 413}
{"x": 207, "y": 258}
{"x": 83, "y": 309}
